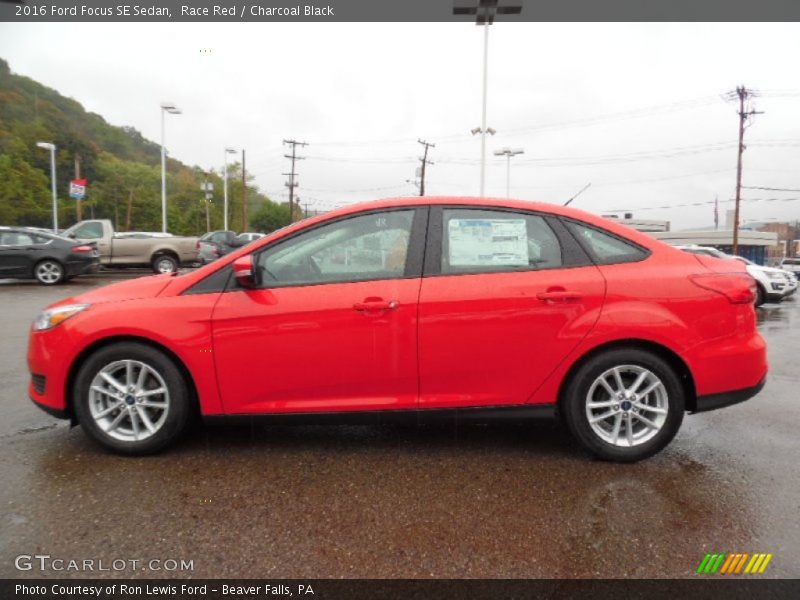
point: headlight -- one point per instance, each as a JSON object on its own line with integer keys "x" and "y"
{"x": 772, "y": 275}
{"x": 53, "y": 316}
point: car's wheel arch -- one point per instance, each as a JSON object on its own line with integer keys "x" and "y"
{"x": 159, "y": 252}
{"x": 89, "y": 350}
{"x": 667, "y": 354}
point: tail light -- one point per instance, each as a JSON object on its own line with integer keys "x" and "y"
{"x": 81, "y": 249}
{"x": 197, "y": 245}
{"x": 738, "y": 288}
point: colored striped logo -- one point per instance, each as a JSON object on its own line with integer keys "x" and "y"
{"x": 734, "y": 563}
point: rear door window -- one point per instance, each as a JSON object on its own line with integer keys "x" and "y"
{"x": 15, "y": 238}
{"x": 491, "y": 241}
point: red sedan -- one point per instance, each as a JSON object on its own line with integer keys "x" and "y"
{"x": 413, "y": 308}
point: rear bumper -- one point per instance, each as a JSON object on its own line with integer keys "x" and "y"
{"x": 82, "y": 267}
{"x": 715, "y": 401}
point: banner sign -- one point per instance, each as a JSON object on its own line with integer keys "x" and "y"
{"x": 77, "y": 189}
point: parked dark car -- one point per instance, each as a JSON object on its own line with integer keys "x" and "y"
{"x": 215, "y": 244}
{"x": 46, "y": 257}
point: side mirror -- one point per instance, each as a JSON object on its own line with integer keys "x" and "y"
{"x": 244, "y": 271}
{"x": 71, "y": 235}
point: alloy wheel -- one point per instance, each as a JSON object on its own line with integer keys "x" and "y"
{"x": 49, "y": 272}
{"x": 129, "y": 400}
{"x": 627, "y": 405}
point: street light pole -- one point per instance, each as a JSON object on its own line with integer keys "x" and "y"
{"x": 166, "y": 107}
{"x": 225, "y": 189}
{"x": 484, "y": 12}
{"x": 52, "y": 149}
{"x": 508, "y": 153}
{"x": 483, "y": 114}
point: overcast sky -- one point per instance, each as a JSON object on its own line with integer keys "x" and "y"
{"x": 635, "y": 109}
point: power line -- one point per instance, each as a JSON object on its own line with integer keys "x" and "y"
{"x": 769, "y": 189}
{"x": 586, "y": 121}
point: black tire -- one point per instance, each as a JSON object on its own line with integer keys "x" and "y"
{"x": 761, "y": 295}
{"x": 49, "y": 272}
{"x": 164, "y": 263}
{"x": 573, "y": 404}
{"x": 179, "y": 402}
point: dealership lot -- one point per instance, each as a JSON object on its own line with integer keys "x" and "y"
{"x": 440, "y": 501}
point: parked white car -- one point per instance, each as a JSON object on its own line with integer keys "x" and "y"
{"x": 791, "y": 264}
{"x": 773, "y": 284}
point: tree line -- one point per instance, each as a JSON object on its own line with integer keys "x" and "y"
{"x": 122, "y": 167}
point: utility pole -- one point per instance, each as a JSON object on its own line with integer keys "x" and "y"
{"x": 744, "y": 95}
{"x": 244, "y": 195}
{"x": 291, "y": 184}
{"x": 78, "y": 207}
{"x": 424, "y": 160}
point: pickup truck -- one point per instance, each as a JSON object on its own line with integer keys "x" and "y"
{"x": 162, "y": 253}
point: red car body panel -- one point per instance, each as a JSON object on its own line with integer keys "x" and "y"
{"x": 489, "y": 340}
{"x": 453, "y": 340}
{"x": 299, "y": 349}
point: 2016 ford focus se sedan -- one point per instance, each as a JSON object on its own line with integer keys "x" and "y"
{"x": 413, "y": 308}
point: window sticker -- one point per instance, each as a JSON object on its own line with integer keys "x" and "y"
{"x": 488, "y": 242}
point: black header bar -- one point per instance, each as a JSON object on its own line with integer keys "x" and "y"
{"x": 396, "y": 10}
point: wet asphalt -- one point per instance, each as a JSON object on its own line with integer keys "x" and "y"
{"x": 496, "y": 501}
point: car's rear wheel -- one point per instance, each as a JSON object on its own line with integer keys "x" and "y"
{"x": 131, "y": 398}
{"x": 49, "y": 272}
{"x": 624, "y": 405}
{"x": 165, "y": 263}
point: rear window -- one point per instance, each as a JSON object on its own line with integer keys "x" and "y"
{"x": 791, "y": 261}
{"x": 89, "y": 231}
{"x": 604, "y": 247}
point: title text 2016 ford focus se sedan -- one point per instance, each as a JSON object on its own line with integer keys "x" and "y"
{"x": 413, "y": 308}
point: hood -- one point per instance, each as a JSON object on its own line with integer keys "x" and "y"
{"x": 132, "y": 289}
{"x": 766, "y": 269}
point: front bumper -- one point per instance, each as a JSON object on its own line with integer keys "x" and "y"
{"x": 715, "y": 401}
{"x": 58, "y": 413}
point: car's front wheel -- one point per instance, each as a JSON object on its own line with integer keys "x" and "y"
{"x": 624, "y": 405}
{"x": 131, "y": 398}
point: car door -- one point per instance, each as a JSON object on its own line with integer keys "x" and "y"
{"x": 17, "y": 253}
{"x": 332, "y": 325}
{"x": 506, "y": 296}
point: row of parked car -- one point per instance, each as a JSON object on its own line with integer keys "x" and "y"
{"x": 52, "y": 258}
{"x": 773, "y": 284}
{"x": 215, "y": 244}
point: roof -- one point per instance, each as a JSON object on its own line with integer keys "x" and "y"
{"x": 554, "y": 209}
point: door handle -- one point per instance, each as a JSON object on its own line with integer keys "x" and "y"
{"x": 371, "y": 305}
{"x": 559, "y": 296}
